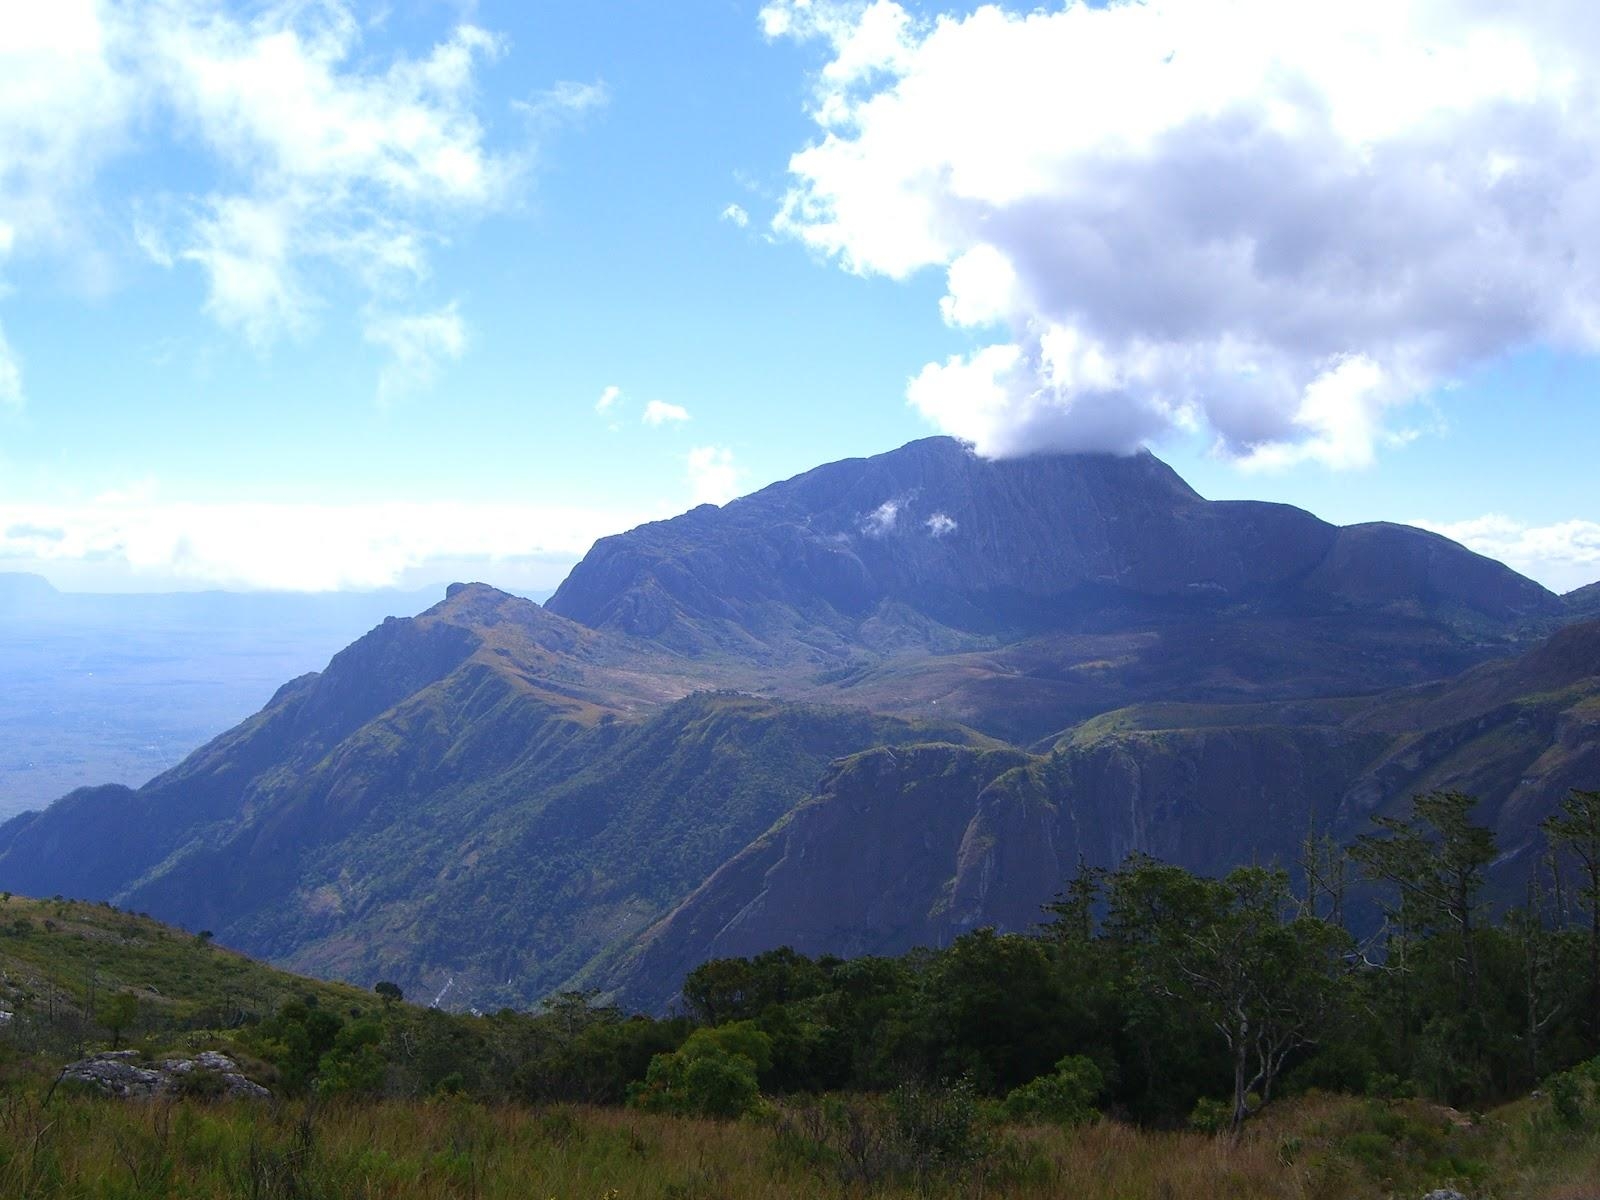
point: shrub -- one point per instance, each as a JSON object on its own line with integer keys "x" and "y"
{"x": 1065, "y": 1097}
{"x": 1211, "y": 1116}
{"x": 713, "y": 1074}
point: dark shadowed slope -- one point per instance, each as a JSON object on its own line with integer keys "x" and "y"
{"x": 982, "y": 839}
{"x": 930, "y": 545}
{"x": 1583, "y": 603}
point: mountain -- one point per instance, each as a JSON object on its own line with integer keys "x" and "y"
{"x": 862, "y": 709}
{"x": 486, "y": 790}
{"x": 1584, "y": 603}
{"x": 931, "y": 544}
{"x": 928, "y": 843}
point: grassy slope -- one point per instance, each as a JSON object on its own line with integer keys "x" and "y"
{"x": 54, "y": 952}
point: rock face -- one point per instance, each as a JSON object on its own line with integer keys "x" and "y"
{"x": 119, "y": 1073}
{"x": 918, "y": 846}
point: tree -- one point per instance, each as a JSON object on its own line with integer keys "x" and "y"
{"x": 1576, "y": 829}
{"x": 713, "y": 1074}
{"x": 118, "y": 1013}
{"x": 388, "y": 992}
{"x": 1436, "y": 860}
{"x": 1266, "y": 983}
{"x": 1066, "y": 1096}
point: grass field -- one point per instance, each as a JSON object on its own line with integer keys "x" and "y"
{"x": 1318, "y": 1148}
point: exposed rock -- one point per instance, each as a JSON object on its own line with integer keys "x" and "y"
{"x": 119, "y": 1073}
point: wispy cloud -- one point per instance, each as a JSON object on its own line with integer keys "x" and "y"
{"x": 326, "y": 162}
{"x": 10, "y": 375}
{"x": 735, "y": 214}
{"x": 417, "y": 343}
{"x": 565, "y": 100}
{"x": 132, "y": 536}
{"x": 714, "y": 478}
{"x": 880, "y": 522}
{"x": 1562, "y": 555}
{"x": 608, "y": 398}
{"x": 659, "y": 412}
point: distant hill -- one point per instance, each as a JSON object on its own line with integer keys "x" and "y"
{"x": 865, "y": 708}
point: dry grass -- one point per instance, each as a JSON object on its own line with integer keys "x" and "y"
{"x": 81, "y": 1147}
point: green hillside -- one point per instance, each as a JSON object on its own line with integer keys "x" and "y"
{"x": 62, "y": 961}
{"x": 806, "y": 1079}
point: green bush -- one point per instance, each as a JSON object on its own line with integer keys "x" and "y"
{"x": 1575, "y": 1094}
{"x": 353, "y": 1066}
{"x": 1211, "y": 1116}
{"x": 1065, "y": 1097}
{"x": 713, "y": 1074}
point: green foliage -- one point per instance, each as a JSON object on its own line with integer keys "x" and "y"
{"x": 714, "y": 1074}
{"x": 1575, "y": 1096}
{"x": 1066, "y": 1096}
{"x": 353, "y": 1065}
{"x": 118, "y": 1013}
{"x": 1211, "y": 1115}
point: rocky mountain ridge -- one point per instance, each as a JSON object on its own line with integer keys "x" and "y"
{"x": 1007, "y": 665}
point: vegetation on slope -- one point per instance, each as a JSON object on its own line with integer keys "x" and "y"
{"x": 1008, "y": 1065}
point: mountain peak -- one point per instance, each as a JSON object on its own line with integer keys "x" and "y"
{"x": 931, "y": 540}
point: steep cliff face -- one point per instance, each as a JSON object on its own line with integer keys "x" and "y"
{"x": 854, "y": 870}
{"x": 805, "y": 567}
{"x": 975, "y": 839}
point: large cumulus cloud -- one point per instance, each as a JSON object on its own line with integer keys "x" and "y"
{"x": 1283, "y": 224}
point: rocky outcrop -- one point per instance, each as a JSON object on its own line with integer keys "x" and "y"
{"x": 122, "y": 1074}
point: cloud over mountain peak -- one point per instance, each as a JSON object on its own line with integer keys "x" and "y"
{"x": 1280, "y": 225}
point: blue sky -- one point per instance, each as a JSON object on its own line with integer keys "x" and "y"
{"x": 327, "y": 295}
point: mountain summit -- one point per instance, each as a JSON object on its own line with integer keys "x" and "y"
{"x": 931, "y": 537}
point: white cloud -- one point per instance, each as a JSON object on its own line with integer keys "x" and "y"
{"x": 565, "y": 100}
{"x": 10, "y": 375}
{"x": 65, "y": 106}
{"x": 940, "y": 524}
{"x": 245, "y": 247}
{"x": 735, "y": 214}
{"x": 337, "y": 164}
{"x": 607, "y": 398}
{"x": 881, "y": 520}
{"x": 713, "y": 476}
{"x": 320, "y": 160}
{"x": 416, "y": 344}
{"x": 1562, "y": 556}
{"x": 124, "y": 538}
{"x": 1278, "y": 224}
{"x": 659, "y": 412}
